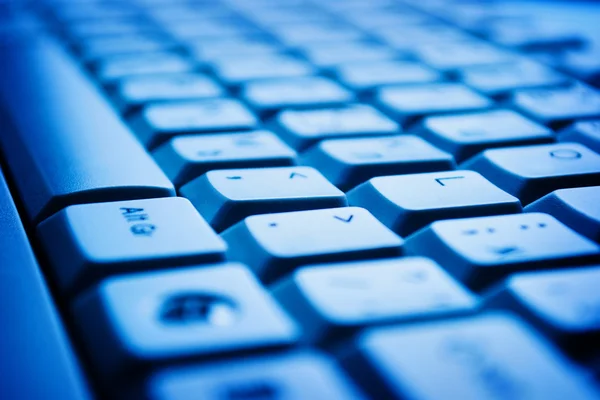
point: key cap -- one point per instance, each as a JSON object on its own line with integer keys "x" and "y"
{"x": 577, "y": 208}
{"x": 124, "y": 66}
{"x": 493, "y": 356}
{"x": 258, "y": 378}
{"x": 304, "y": 128}
{"x": 214, "y": 50}
{"x": 432, "y": 197}
{"x": 275, "y": 244}
{"x": 172, "y": 13}
{"x": 70, "y": 12}
{"x": 157, "y": 123}
{"x": 584, "y": 64}
{"x": 331, "y": 54}
{"x": 74, "y": 151}
{"x": 301, "y": 34}
{"x": 225, "y": 197}
{"x": 208, "y": 28}
{"x": 449, "y": 55}
{"x": 531, "y": 172}
{"x": 80, "y": 31}
{"x": 501, "y": 79}
{"x": 136, "y": 322}
{"x": 134, "y": 92}
{"x": 371, "y": 75}
{"x": 479, "y": 251}
{"x": 331, "y": 300}
{"x": 533, "y": 37}
{"x": 557, "y": 107}
{"x": 584, "y": 132}
{"x": 349, "y": 162}
{"x": 269, "y": 96}
{"x": 185, "y": 158}
{"x": 467, "y": 134}
{"x": 412, "y": 38}
{"x": 407, "y": 104}
{"x": 87, "y": 242}
{"x": 96, "y": 49}
{"x": 562, "y": 304}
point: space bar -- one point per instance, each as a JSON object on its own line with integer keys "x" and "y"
{"x": 61, "y": 140}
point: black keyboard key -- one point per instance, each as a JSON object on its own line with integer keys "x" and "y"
{"x": 66, "y": 137}
{"x": 275, "y": 244}
{"x": 349, "y": 162}
{"x": 558, "y": 106}
{"x": 531, "y": 172}
{"x": 87, "y": 242}
{"x": 578, "y": 208}
{"x": 408, "y": 103}
{"x": 185, "y": 158}
{"x": 157, "y": 123}
{"x": 432, "y": 197}
{"x": 265, "y": 378}
{"x": 467, "y": 134}
{"x": 479, "y": 251}
{"x": 225, "y": 197}
{"x": 136, "y": 322}
{"x": 304, "y": 128}
{"x": 273, "y": 95}
{"x": 135, "y": 92}
{"x": 493, "y": 356}
{"x": 584, "y": 132}
{"x": 562, "y": 304}
{"x": 128, "y": 65}
{"x": 330, "y": 300}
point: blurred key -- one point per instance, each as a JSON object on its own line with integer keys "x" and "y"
{"x": 105, "y": 47}
{"x": 479, "y": 251}
{"x": 584, "y": 64}
{"x": 208, "y": 28}
{"x": 578, "y": 208}
{"x": 584, "y": 132}
{"x": 241, "y": 69}
{"x": 156, "y": 123}
{"x": 533, "y": 37}
{"x": 225, "y": 197}
{"x": 303, "y": 128}
{"x": 467, "y": 134}
{"x": 137, "y": 91}
{"x": 330, "y": 300}
{"x": 173, "y": 12}
{"x": 371, "y": 75}
{"x": 301, "y": 34}
{"x": 453, "y": 55}
{"x": 562, "y": 304}
{"x": 185, "y": 158}
{"x": 124, "y": 66}
{"x": 406, "y": 104}
{"x": 77, "y": 11}
{"x": 432, "y": 197}
{"x": 412, "y": 38}
{"x": 530, "y": 172}
{"x": 349, "y": 162}
{"x": 493, "y": 356}
{"x": 272, "y": 95}
{"x": 331, "y": 54}
{"x": 135, "y": 322}
{"x": 234, "y": 47}
{"x": 275, "y": 244}
{"x": 87, "y": 242}
{"x": 264, "y": 378}
{"x": 84, "y": 30}
{"x": 558, "y": 106}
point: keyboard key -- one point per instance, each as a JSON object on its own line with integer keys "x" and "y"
{"x": 214, "y": 50}
{"x": 447, "y": 55}
{"x": 74, "y": 151}
{"x": 90, "y": 241}
{"x": 135, "y": 322}
{"x": 256, "y": 379}
{"x": 432, "y": 197}
{"x": 329, "y": 300}
{"x": 135, "y": 92}
{"x": 478, "y": 251}
{"x": 125, "y": 66}
{"x": 208, "y": 28}
{"x": 225, "y": 197}
{"x": 272, "y": 95}
{"x": 106, "y": 47}
{"x": 563, "y": 304}
{"x": 533, "y": 37}
{"x": 493, "y": 356}
{"x": 84, "y": 30}
{"x": 331, "y": 54}
{"x": 578, "y": 208}
{"x": 558, "y": 106}
{"x": 371, "y": 75}
{"x": 275, "y": 244}
{"x": 531, "y": 172}
{"x": 406, "y": 104}
{"x": 501, "y": 79}
{"x": 584, "y": 132}
{"x": 584, "y": 64}
{"x": 187, "y": 157}
{"x": 241, "y": 69}
{"x": 301, "y": 34}
{"x": 412, "y": 38}
{"x": 303, "y": 128}
{"x": 465, "y": 135}
{"x": 157, "y": 123}
{"x": 349, "y": 162}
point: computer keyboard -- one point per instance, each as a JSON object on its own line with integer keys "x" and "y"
{"x": 298, "y": 200}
